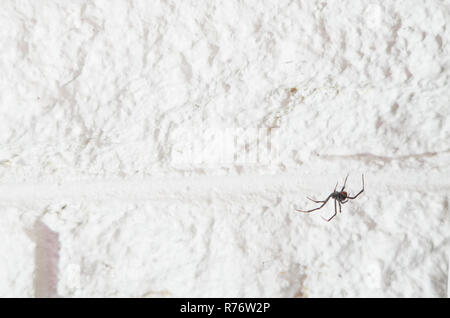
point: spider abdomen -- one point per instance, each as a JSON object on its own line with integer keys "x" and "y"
{"x": 340, "y": 196}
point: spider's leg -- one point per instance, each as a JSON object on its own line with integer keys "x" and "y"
{"x": 330, "y": 218}
{"x": 340, "y": 207}
{"x": 345, "y": 181}
{"x": 359, "y": 191}
{"x": 315, "y": 200}
{"x": 336, "y": 186}
{"x": 321, "y": 206}
{"x": 335, "y": 212}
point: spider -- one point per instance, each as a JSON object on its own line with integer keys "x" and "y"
{"x": 340, "y": 197}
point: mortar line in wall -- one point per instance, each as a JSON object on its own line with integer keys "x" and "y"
{"x": 220, "y": 188}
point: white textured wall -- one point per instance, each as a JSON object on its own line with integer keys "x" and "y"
{"x": 135, "y": 158}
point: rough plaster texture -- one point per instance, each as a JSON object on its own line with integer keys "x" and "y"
{"x": 160, "y": 148}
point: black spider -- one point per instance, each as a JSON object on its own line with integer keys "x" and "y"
{"x": 340, "y": 197}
